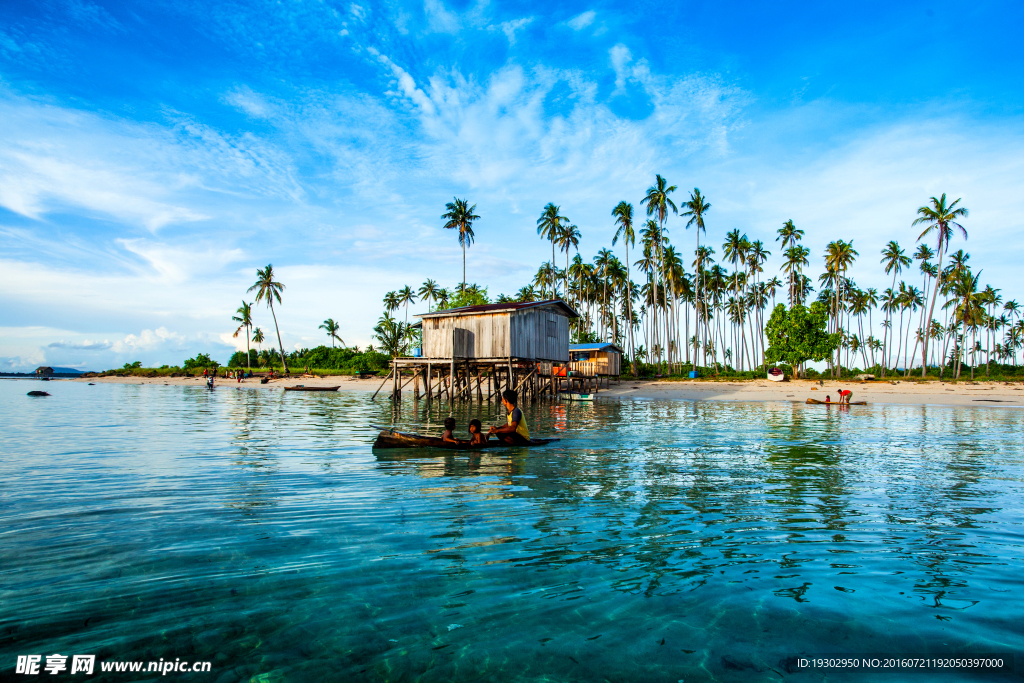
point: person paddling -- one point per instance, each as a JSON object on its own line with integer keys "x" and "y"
{"x": 514, "y": 431}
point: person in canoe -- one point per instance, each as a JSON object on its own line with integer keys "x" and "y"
{"x": 449, "y": 431}
{"x": 476, "y": 435}
{"x": 514, "y": 432}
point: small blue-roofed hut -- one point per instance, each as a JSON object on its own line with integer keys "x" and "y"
{"x": 603, "y": 359}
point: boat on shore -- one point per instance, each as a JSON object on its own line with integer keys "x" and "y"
{"x": 816, "y": 402}
{"x": 302, "y": 387}
{"x": 576, "y": 397}
{"x": 777, "y": 375}
{"x": 389, "y": 438}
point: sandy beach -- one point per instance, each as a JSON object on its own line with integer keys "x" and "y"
{"x": 991, "y": 394}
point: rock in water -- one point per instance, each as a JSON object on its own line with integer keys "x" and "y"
{"x": 38, "y": 393}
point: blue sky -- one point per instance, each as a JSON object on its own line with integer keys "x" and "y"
{"x": 153, "y": 155}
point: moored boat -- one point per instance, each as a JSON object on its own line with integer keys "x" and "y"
{"x": 776, "y": 375}
{"x": 576, "y": 397}
{"x": 302, "y": 387}
{"x": 816, "y": 402}
{"x": 393, "y": 439}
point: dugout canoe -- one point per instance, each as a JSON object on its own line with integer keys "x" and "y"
{"x": 816, "y": 402}
{"x": 392, "y": 439}
{"x": 301, "y": 387}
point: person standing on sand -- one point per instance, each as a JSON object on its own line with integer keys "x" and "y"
{"x": 514, "y": 432}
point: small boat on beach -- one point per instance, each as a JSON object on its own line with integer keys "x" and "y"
{"x": 389, "y": 438}
{"x": 576, "y": 397}
{"x": 302, "y": 387}
{"x": 776, "y": 375}
{"x": 816, "y": 402}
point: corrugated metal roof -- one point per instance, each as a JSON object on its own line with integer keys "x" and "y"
{"x": 599, "y": 346}
{"x": 495, "y": 308}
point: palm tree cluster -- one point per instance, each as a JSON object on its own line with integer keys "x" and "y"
{"x": 714, "y": 314}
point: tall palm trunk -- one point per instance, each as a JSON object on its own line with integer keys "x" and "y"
{"x": 284, "y": 360}
{"x": 931, "y": 312}
{"x": 629, "y": 311}
{"x": 248, "y": 365}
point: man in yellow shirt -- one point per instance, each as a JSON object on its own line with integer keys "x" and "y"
{"x": 515, "y": 431}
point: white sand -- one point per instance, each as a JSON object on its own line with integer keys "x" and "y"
{"x": 991, "y": 394}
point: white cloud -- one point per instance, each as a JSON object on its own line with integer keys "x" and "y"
{"x": 439, "y": 18}
{"x": 581, "y": 21}
{"x": 620, "y": 58}
{"x": 149, "y": 340}
{"x": 510, "y": 27}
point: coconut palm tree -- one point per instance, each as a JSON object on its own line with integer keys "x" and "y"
{"x": 268, "y": 289}
{"x": 332, "y": 331}
{"x": 244, "y": 320}
{"x": 460, "y": 216}
{"x": 658, "y": 204}
{"x": 696, "y": 207}
{"x": 568, "y": 238}
{"x": 941, "y": 219}
{"x": 392, "y": 335}
{"x": 789, "y": 234}
{"x": 257, "y": 337}
{"x": 793, "y": 265}
{"x": 623, "y": 213}
{"x": 895, "y": 260}
{"x": 391, "y": 303}
{"x": 429, "y": 292}
{"x": 549, "y": 226}
{"x": 406, "y": 296}
{"x": 838, "y": 257}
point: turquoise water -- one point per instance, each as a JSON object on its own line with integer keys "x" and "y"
{"x": 657, "y": 541}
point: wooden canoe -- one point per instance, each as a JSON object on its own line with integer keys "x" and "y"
{"x": 816, "y": 402}
{"x": 300, "y": 387}
{"x": 392, "y": 439}
{"x": 576, "y": 397}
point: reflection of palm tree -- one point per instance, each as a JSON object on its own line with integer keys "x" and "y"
{"x": 460, "y": 217}
{"x": 429, "y": 292}
{"x": 332, "y": 331}
{"x": 268, "y": 289}
{"x": 549, "y": 226}
{"x": 942, "y": 219}
{"x": 244, "y": 320}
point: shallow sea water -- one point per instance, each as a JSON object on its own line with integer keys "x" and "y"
{"x": 657, "y": 541}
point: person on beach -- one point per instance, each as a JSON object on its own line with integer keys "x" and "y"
{"x": 449, "y": 428}
{"x": 514, "y": 432}
{"x": 476, "y": 436}
{"x": 844, "y": 396}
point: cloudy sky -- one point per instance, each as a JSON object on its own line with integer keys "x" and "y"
{"x": 153, "y": 155}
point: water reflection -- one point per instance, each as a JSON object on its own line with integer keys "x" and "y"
{"x": 734, "y": 533}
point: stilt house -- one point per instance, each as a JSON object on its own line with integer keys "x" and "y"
{"x": 536, "y": 331}
{"x": 603, "y": 359}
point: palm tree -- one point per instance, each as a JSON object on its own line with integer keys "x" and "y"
{"x": 407, "y": 296}
{"x": 942, "y": 219}
{"x": 429, "y": 292}
{"x": 789, "y": 234}
{"x": 568, "y": 238}
{"x": 244, "y": 320}
{"x": 623, "y": 213}
{"x": 460, "y": 217}
{"x": 332, "y": 331}
{"x": 895, "y": 260}
{"x": 696, "y": 207}
{"x": 658, "y": 204}
{"x": 838, "y": 257}
{"x": 257, "y": 336}
{"x": 392, "y": 335}
{"x": 602, "y": 260}
{"x": 391, "y": 303}
{"x": 549, "y": 226}
{"x": 267, "y": 289}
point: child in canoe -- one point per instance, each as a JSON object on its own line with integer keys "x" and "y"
{"x": 476, "y": 436}
{"x": 449, "y": 429}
